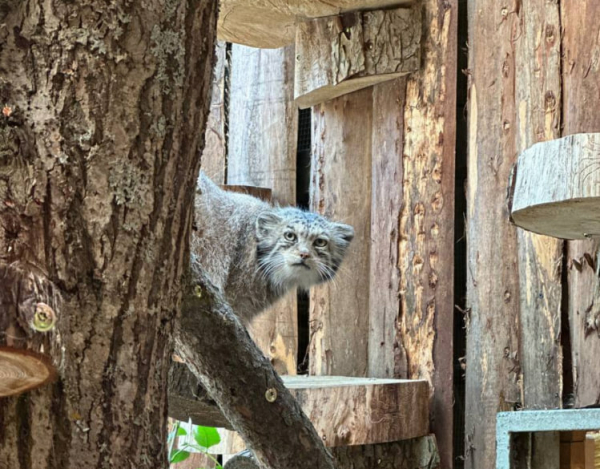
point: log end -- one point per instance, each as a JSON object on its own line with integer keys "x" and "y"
{"x": 23, "y": 370}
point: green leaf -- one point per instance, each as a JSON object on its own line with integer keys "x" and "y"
{"x": 179, "y": 456}
{"x": 181, "y": 431}
{"x": 206, "y": 436}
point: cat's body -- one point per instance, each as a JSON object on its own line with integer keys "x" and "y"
{"x": 255, "y": 253}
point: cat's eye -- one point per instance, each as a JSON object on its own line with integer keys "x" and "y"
{"x": 320, "y": 242}
{"x": 290, "y": 236}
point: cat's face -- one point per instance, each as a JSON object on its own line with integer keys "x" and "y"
{"x": 298, "y": 248}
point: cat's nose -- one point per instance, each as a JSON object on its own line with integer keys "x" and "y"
{"x": 304, "y": 254}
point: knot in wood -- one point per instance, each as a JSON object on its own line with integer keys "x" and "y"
{"x": 44, "y": 318}
{"x": 271, "y": 395}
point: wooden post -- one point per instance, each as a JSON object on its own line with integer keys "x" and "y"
{"x": 262, "y": 152}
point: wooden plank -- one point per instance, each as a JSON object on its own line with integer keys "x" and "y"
{"x": 387, "y": 358}
{"x": 592, "y": 450}
{"x": 341, "y": 54}
{"x": 537, "y": 118}
{"x": 426, "y": 223}
{"x": 557, "y": 187}
{"x": 492, "y": 375}
{"x": 340, "y": 190}
{"x": 215, "y": 148}
{"x": 272, "y": 23}
{"x": 581, "y": 85}
{"x": 262, "y": 152}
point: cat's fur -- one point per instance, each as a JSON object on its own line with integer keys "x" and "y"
{"x": 255, "y": 253}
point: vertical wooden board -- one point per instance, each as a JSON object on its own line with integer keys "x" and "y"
{"x": 538, "y": 118}
{"x": 581, "y": 85}
{"x": 214, "y": 153}
{"x": 263, "y": 121}
{"x": 492, "y": 377}
{"x": 262, "y": 152}
{"x": 387, "y": 358}
{"x": 426, "y": 223}
{"x": 341, "y": 190}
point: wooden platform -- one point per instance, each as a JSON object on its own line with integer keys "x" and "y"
{"x": 350, "y": 411}
{"x": 555, "y": 189}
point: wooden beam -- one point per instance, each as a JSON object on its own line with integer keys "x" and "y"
{"x": 557, "y": 187}
{"x": 592, "y": 450}
{"x": 272, "y": 23}
{"x": 341, "y": 54}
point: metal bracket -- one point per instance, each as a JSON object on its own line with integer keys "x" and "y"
{"x": 531, "y": 421}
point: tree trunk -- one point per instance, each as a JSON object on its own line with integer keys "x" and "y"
{"x": 102, "y": 128}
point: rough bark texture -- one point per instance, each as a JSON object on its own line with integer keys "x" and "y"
{"x": 242, "y": 381}
{"x": 272, "y": 24}
{"x": 557, "y": 188}
{"x": 105, "y": 107}
{"x": 340, "y": 190}
{"x": 341, "y": 54}
{"x": 263, "y": 129}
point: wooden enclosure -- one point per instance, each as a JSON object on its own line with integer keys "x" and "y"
{"x": 384, "y": 159}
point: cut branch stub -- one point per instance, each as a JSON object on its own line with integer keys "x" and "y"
{"x": 341, "y": 54}
{"x": 556, "y": 188}
{"x": 28, "y": 341}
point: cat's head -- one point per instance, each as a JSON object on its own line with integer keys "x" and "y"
{"x": 298, "y": 248}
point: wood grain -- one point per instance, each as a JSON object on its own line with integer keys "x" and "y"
{"x": 272, "y": 24}
{"x": 262, "y": 152}
{"x": 340, "y": 190}
{"x": 341, "y": 54}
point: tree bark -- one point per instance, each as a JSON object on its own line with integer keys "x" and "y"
{"x": 219, "y": 351}
{"x": 100, "y": 136}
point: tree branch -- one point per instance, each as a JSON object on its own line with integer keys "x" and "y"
{"x": 219, "y": 351}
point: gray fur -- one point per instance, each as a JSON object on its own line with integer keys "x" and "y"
{"x": 255, "y": 253}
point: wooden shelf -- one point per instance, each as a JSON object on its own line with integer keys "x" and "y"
{"x": 272, "y": 23}
{"x": 555, "y": 189}
{"x": 353, "y": 411}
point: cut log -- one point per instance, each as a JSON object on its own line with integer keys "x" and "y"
{"x": 557, "y": 187}
{"x": 340, "y": 54}
{"x": 344, "y": 411}
{"x": 272, "y": 23}
{"x": 29, "y": 349}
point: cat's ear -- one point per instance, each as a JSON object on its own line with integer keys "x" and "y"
{"x": 266, "y": 222}
{"x": 344, "y": 232}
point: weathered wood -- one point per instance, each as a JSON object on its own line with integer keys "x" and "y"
{"x": 272, "y": 23}
{"x": 426, "y": 223}
{"x": 340, "y": 190}
{"x": 262, "y": 152}
{"x": 219, "y": 351}
{"x": 492, "y": 375}
{"x": 572, "y": 450}
{"x": 101, "y": 131}
{"x": 344, "y": 411}
{"x": 214, "y": 157}
{"x": 557, "y": 187}
{"x": 341, "y": 54}
{"x": 581, "y": 86}
{"x": 387, "y": 357}
{"x": 537, "y": 92}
